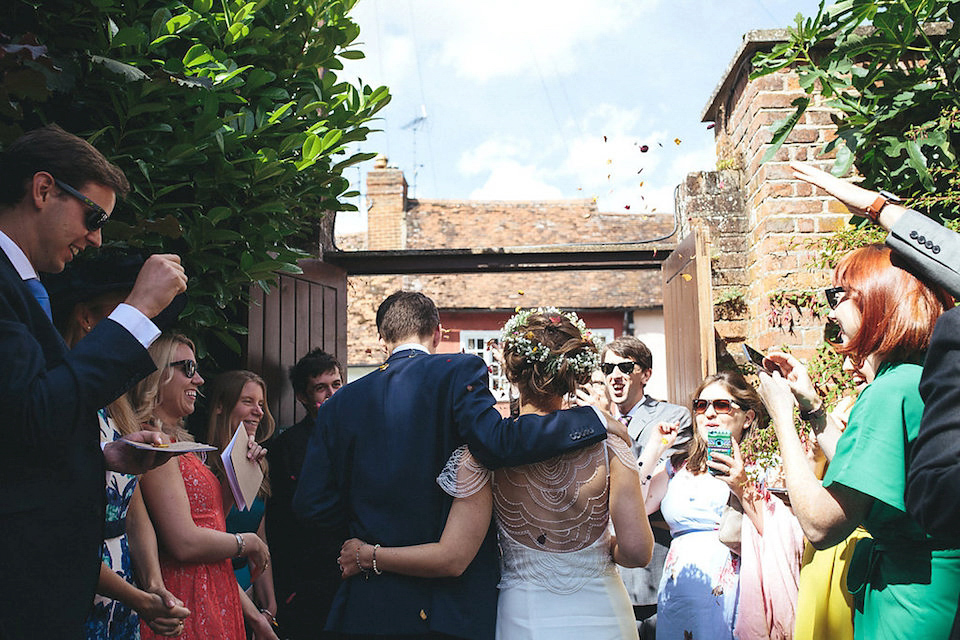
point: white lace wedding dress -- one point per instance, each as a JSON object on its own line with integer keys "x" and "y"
{"x": 558, "y": 580}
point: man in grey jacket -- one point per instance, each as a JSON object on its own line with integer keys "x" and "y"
{"x": 627, "y": 365}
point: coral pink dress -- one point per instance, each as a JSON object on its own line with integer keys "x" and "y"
{"x": 208, "y": 590}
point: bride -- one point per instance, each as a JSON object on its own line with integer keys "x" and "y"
{"x": 558, "y": 578}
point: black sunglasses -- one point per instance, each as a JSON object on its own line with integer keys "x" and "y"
{"x": 834, "y": 296}
{"x": 625, "y": 367}
{"x": 720, "y": 405}
{"x": 96, "y": 217}
{"x": 189, "y": 367}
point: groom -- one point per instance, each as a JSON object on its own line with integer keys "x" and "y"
{"x": 372, "y": 462}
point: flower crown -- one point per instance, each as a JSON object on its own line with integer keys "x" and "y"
{"x": 514, "y": 338}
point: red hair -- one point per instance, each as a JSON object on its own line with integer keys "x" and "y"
{"x": 897, "y": 310}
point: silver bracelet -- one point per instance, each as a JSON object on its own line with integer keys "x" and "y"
{"x": 241, "y": 545}
{"x": 375, "y": 570}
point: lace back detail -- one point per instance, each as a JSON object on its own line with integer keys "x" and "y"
{"x": 558, "y": 505}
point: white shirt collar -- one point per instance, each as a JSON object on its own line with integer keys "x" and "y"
{"x": 17, "y": 257}
{"x": 410, "y": 345}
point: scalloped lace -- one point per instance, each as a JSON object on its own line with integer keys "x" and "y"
{"x": 552, "y": 516}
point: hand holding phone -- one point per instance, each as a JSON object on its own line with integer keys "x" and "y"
{"x": 719, "y": 440}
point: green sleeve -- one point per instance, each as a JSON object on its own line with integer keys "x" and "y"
{"x": 871, "y": 453}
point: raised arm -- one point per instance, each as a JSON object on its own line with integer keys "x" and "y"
{"x": 507, "y": 442}
{"x": 827, "y": 516}
{"x": 166, "y": 499}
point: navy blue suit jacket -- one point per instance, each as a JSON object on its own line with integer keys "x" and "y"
{"x": 51, "y": 466}
{"x": 372, "y": 462}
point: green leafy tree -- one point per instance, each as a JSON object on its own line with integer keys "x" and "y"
{"x": 227, "y": 116}
{"x": 890, "y": 68}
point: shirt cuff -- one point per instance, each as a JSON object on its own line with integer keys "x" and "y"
{"x": 139, "y": 325}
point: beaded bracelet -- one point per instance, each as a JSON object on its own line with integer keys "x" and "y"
{"x": 375, "y": 570}
{"x": 365, "y": 572}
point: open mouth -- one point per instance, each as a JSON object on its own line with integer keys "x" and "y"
{"x": 192, "y": 393}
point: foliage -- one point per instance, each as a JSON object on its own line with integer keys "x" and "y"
{"x": 788, "y": 306}
{"x": 227, "y": 117}
{"x": 894, "y": 78}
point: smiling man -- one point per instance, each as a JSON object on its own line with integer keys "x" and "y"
{"x": 305, "y": 574}
{"x": 56, "y": 191}
{"x": 627, "y": 365}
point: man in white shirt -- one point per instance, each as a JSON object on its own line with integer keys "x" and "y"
{"x": 56, "y": 191}
{"x": 627, "y": 365}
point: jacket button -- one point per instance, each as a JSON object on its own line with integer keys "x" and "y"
{"x": 921, "y": 239}
{"x": 913, "y": 235}
{"x": 929, "y": 244}
{"x": 936, "y": 248}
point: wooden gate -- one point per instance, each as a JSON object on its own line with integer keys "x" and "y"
{"x": 688, "y": 316}
{"x": 305, "y": 311}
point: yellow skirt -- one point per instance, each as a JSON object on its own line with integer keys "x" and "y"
{"x": 824, "y": 606}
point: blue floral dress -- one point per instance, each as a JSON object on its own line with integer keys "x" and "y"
{"x": 111, "y": 618}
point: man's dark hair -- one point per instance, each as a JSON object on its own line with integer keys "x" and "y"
{"x": 407, "y": 313}
{"x": 63, "y": 155}
{"x": 632, "y": 348}
{"x": 315, "y": 363}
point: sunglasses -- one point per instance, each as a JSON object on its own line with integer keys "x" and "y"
{"x": 721, "y": 405}
{"x": 625, "y": 367}
{"x": 834, "y": 296}
{"x": 189, "y": 367}
{"x": 96, "y": 217}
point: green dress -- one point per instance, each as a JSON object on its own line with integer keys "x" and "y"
{"x": 905, "y": 584}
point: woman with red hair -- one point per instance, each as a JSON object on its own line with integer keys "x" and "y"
{"x": 904, "y": 583}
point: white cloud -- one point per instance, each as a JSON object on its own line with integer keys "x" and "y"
{"x": 511, "y": 180}
{"x": 501, "y": 37}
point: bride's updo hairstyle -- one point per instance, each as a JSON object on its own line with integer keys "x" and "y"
{"x": 547, "y": 353}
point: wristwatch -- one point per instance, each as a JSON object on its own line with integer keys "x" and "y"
{"x": 883, "y": 199}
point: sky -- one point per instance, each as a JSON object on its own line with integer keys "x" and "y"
{"x": 549, "y": 99}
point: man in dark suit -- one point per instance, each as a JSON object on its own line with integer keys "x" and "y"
{"x": 305, "y": 575}
{"x": 55, "y": 193}
{"x": 373, "y": 459}
{"x": 627, "y": 365}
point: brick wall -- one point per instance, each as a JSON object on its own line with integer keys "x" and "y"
{"x": 769, "y": 244}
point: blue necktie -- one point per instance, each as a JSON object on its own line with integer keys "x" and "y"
{"x": 40, "y": 293}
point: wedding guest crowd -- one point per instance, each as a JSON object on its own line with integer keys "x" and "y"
{"x": 404, "y": 505}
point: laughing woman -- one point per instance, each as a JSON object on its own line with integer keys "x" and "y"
{"x": 905, "y": 584}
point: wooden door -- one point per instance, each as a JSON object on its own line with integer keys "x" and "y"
{"x": 688, "y": 316}
{"x": 304, "y": 311}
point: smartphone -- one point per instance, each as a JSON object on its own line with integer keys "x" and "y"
{"x": 753, "y": 356}
{"x": 718, "y": 441}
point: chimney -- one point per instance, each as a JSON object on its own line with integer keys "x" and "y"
{"x": 387, "y": 202}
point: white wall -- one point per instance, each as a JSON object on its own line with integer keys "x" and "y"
{"x": 648, "y": 326}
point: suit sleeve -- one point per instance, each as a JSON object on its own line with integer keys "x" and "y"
{"x": 930, "y": 249}
{"x": 507, "y": 442}
{"x": 44, "y": 391}
{"x": 317, "y": 501}
{"x": 933, "y": 478}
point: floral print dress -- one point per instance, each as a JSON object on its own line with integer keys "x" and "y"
{"x": 111, "y": 618}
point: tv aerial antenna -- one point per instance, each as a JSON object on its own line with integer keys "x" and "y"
{"x": 415, "y": 126}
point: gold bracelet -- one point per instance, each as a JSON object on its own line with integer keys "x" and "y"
{"x": 375, "y": 570}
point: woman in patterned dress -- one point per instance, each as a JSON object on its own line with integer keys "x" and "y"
{"x": 130, "y": 587}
